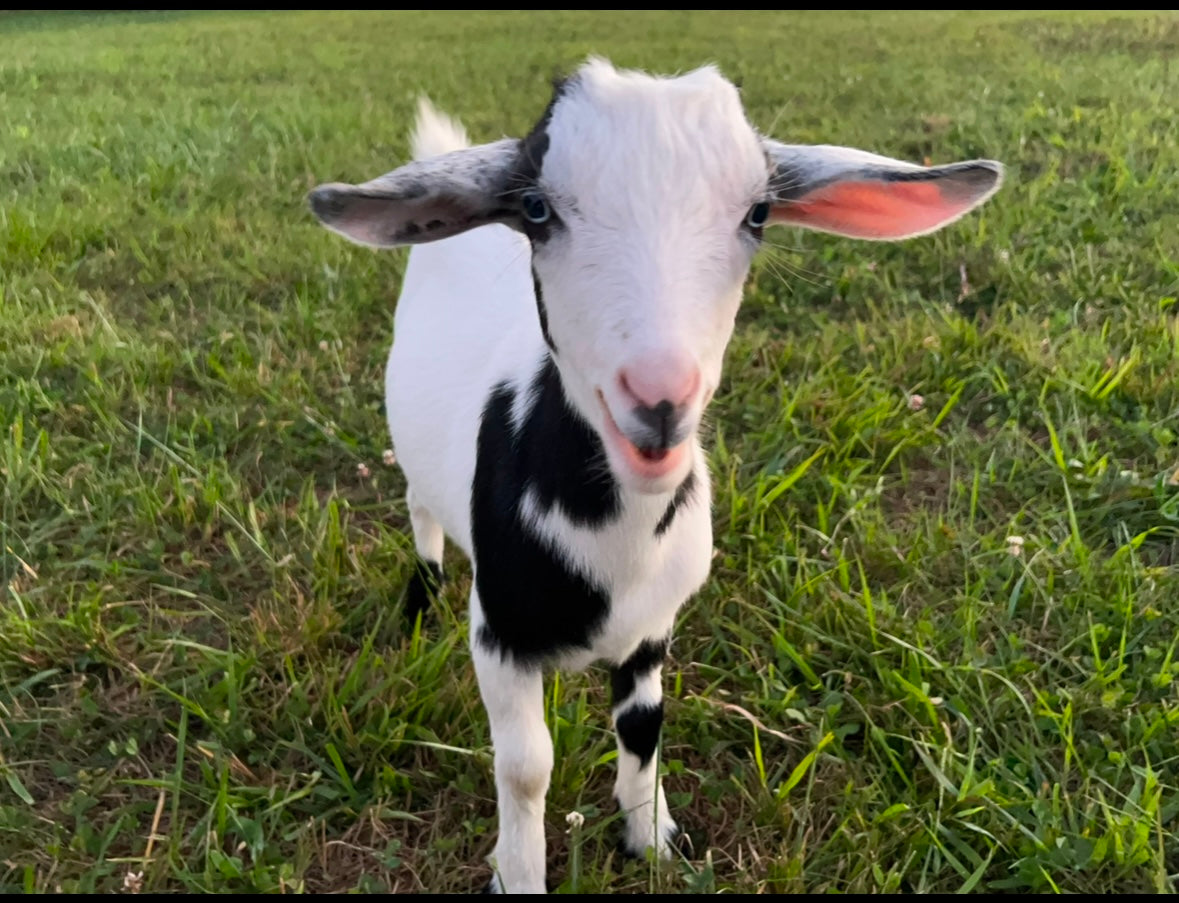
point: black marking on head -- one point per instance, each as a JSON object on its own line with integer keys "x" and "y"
{"x": 683, "y": 493}
{"x": 542, "y": 312}
{"x": 638, "y": 730}
{"x": 536, "y": 144}
{"x": 648, "y": 656}
{"x": 526, "y": 173}
{"x": 423, "y": 587}
{"x": 535, "y": 604}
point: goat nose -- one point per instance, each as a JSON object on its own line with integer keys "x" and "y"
{"x": 667, "y": 378}
{"x": 661, "y": 388}
{"x": 659, "y": 422}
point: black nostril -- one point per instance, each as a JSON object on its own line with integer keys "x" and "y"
{"x": 659, "y": 420}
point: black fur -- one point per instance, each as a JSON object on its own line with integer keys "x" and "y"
{"x": 542, "y": 312}
{"x": 659, "y": 423}
{"x": 650, "y": 654}
{"x": 422, "y": 588}
{"x": 526, "y": 173}
{"x": 535, "y": 604}
{"x": 682, "y": 841}
{"x": 638, "y": 730}
{"x": 682, "y": 494}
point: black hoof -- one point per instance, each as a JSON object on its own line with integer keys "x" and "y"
{"x": 684, "y": 842}
{"x": 422, "y": 590}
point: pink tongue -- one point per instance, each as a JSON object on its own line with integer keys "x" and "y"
{"x": 653, "y": 454}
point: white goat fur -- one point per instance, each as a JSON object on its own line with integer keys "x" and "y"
{"x": 650, "y": 182}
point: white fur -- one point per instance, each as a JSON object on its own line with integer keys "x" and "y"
{"x": 435, "y": 133}
{"x": 514, "y": 700}
{"x": 652, "y": 178}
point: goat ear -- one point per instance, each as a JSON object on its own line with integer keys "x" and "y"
{"x": 854, "y": 193}
{"x": 424, "y": 200}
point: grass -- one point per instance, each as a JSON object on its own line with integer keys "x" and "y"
{"x": 205, "y": 684}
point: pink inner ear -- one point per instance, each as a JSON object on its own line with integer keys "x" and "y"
{"x": 873, "y": 209}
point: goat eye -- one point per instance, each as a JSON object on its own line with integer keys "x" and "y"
{"x": 536, "y": 208}
{"x": 758, "y": 215}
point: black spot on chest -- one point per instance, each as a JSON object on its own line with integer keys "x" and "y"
{"x": 683, "y": 493}
{"x": 534, "y": 603}
{"x": 542, "y": 312}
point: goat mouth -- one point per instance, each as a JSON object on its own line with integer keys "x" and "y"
{"x": 646, "y": 462}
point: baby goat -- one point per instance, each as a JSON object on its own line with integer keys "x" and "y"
{"x": 550, "y": 371}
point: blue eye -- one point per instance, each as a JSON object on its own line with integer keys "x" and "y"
{"x": 536, "y": 208}
{"x": 758, "y": 215}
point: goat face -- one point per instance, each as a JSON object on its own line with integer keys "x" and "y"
{"x": 643, "y": 187}
{"x": 644, "y": 200}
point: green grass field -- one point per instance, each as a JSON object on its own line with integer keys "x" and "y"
{"x": 205, "y": 682}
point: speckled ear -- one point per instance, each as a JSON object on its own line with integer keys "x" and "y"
{"x": 861, "y": 195}
{"x": 424, "y": 200}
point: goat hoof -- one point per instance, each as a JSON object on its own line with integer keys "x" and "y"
{"x": 676, "y": 841}
{"x": 492, "y": 887}
{"x": 686, "y": 843}
{"x": 422, "y": 590}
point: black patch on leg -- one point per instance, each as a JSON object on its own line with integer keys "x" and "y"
{"x": 423, "y": 588}
{"x": 534, "y": 602}
{"x": 638, "y": 730}
{"x": 650, "y": 654}
{"x": 682, "y": 494}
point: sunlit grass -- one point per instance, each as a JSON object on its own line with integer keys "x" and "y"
{"x": 205, "y": 683}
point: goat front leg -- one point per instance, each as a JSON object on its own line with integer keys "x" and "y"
{"x": 514, "y": 699}
{"x": 637, "y": 689}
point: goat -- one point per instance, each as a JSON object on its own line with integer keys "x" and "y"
{"x": 559, "y": 333}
